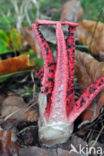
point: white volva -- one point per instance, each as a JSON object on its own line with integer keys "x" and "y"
{"x": 54, "y": 132}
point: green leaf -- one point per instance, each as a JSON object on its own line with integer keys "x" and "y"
{"x": 38, "y": 62}
{"x": 4, "y": 42}
{"x": 6, "y": 76}
{"x": 16, "y": 39}
{"x": 26, "y": 91}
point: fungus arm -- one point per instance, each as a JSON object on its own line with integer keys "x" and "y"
{"x": 86, "y": 98}
{"x": 49, "y": 63}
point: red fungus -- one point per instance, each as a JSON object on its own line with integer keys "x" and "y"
{"x": 58, "y": 109}
{"x": 49, "y": 63}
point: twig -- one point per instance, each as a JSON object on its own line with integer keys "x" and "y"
{"x": 98, "y": 19}
{"x": 35, "y": 2}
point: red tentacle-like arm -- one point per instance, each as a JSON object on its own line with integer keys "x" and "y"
{"x": 40, "y": 73}
{"x": 86, "y": 98}
{"x": 71, "y": 65}
{"x": 58, "y": 110}
{"x": 49, "y": 63}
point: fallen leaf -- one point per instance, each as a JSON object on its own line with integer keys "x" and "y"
{"x": 49, "y": 33}
{"x": 71, "y": 11}
{"x": 14, "y": 107}
{"x": 16, "y": 39}
{"x": 10, "y": 42}
{"x": 7, "y": 143}
{"x": 91, "y": 33}
{"x": 87, "y": 71}
{"x": 15, "y": 64}
{"x": 32, "y": 41}
{"x": 32, "y": 115}
{"x": 4, "y": 42}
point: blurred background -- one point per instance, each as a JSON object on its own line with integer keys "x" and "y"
{"x": 16, "y": 17}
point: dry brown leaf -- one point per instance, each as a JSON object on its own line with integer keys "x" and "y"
{"x": 87, "y": 70}
{"x": 32, "y": 115}
{"x": 86, "y": 35}
{"x": 7, "y": 143}
{"x": 15, "y": 64}
{"x": 14, "y": 107}
{"x": 71, "y": 11}
{"x": 29, "y": 36}
{"x": 49, "y": 33}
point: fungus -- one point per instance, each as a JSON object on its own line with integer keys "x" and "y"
{"x": 57, "y": 105}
